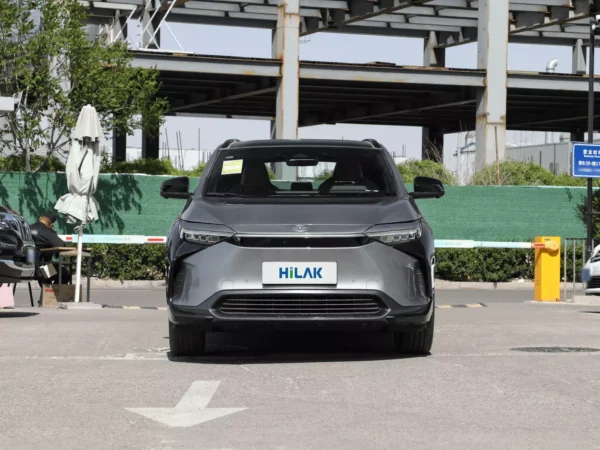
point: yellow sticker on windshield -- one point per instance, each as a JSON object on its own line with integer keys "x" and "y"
{"x": 231, "y": 167}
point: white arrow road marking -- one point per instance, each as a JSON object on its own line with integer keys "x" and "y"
{"x": 191, "y": 410}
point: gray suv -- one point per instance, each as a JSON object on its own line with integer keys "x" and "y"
{"x": 342, "y": 247}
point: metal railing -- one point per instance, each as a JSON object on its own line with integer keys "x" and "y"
{"x": 574, "y": 244}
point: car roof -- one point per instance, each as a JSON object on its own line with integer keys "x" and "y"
{"x": 370, "y": 144}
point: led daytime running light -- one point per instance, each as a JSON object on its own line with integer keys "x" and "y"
{"x": 398, "y": 236}
{"x": 203, "y": 237}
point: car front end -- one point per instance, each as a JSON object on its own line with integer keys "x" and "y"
{"x": 377, "y": 279}
{"x": 349, "y": 251}
{"x": 17, "y": 249}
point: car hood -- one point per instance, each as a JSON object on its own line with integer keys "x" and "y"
{"x": 321, "y": 218}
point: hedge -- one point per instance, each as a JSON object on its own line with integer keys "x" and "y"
{"x": 147, "y": 262}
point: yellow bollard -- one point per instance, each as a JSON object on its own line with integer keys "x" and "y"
{"x": 547, "y": 269}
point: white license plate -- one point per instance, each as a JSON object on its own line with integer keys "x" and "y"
{"x": 299, "y": 273}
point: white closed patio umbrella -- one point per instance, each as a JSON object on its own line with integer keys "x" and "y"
{"x": 83, "y": 168}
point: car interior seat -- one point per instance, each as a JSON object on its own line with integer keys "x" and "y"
{"x": 347, "y": 172}
{"x": 255, "y": 178}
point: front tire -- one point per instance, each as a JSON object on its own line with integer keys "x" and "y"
{"x": 416, "y": 342}
{"x": 186, "y": 341}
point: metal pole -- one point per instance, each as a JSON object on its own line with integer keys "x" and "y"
{"x": 573, "y": 271}
{"x": 565, "y": 268}
{"x": 590, "y": 131}
{"x": 583, "y": 260}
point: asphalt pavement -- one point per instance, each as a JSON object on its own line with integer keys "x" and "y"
{"x": 104, "y": 379}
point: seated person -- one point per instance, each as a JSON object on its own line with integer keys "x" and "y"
{"x": 44, "y": 236}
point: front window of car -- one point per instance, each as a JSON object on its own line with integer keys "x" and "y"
{"x": 321, "y": 172}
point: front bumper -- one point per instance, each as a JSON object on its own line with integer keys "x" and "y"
{"x": 15, "y": 272}
{"x": 209, "y": 316}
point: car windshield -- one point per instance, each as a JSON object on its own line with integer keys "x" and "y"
{"x": 300, "y": 171}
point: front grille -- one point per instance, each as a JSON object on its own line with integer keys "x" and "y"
{"x": 302, "y": 307}
{"x": 594, "y": 283}
{"x": 25, "y": 230}
{"x": 301, "y": 242}
{"x": 595, "y": 258}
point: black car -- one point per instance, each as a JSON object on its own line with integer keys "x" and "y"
{"x": 341, "y": 245}
{"x": 17, "y": 249}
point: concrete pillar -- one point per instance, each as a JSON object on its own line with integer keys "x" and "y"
{"x": 150, "y": 147}
{"x": 433, "y": 144}
{"x": 433, "y": 56}
{"x": 433, "y": 137}
{"x": 492, "y": 50}
{"x": 151, "y": 37}
{"x": 286, "y": 48}
{"x": 579, "y": 57}
{"x": 119, "y": 143}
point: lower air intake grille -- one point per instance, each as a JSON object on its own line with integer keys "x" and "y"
{"x": 302, "y": 307}
{"x": 594, "y": 283}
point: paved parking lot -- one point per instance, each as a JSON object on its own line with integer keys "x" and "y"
{"x": 104, "y": 379}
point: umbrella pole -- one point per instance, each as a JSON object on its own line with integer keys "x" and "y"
{"x": 79, "y": 250}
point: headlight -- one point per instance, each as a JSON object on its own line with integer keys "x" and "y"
{"x": 396, "y": 235}
{"x": 4, "y": 222}
{"x": 203, "y": 237}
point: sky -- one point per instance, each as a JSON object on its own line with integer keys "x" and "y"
{"x": 247, "y": 42}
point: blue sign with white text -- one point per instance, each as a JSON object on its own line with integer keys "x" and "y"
{"x": 586, "y": 160}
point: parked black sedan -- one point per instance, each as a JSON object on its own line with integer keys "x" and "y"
{"x": 17, "y": 249}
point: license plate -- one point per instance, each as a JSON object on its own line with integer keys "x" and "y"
{"x": 299, "y": 273}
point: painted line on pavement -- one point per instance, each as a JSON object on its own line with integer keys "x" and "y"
{"x": 160, "y": 308}
{"x": 468, "y": 305}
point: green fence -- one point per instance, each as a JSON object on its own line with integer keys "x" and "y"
{"x": 130, "y": 204}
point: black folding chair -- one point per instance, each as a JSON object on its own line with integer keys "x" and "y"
{"x": 30, "y": 291}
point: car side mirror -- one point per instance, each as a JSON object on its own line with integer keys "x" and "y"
{"x": 178, "y": 187}
{"x": 426, "y": 187}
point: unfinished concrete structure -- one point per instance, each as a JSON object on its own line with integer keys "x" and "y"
{"x": 295, "y": 93}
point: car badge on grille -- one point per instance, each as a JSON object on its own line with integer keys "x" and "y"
{"x": 300, "y": 228}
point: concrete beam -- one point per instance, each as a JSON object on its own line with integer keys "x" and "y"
{"x": 286, "y": 48}
{"x": 119, "y": 143}
{"x": 492, "y": 50}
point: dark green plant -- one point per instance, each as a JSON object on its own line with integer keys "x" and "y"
{"x": 425, "y": 168}
{"x": 484, "y": 265}
{"x": 16, "y": 163}
{"x": 149, "y": 166}
{"x": 148, "y": 262}
{"x": 128, "y": 262}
